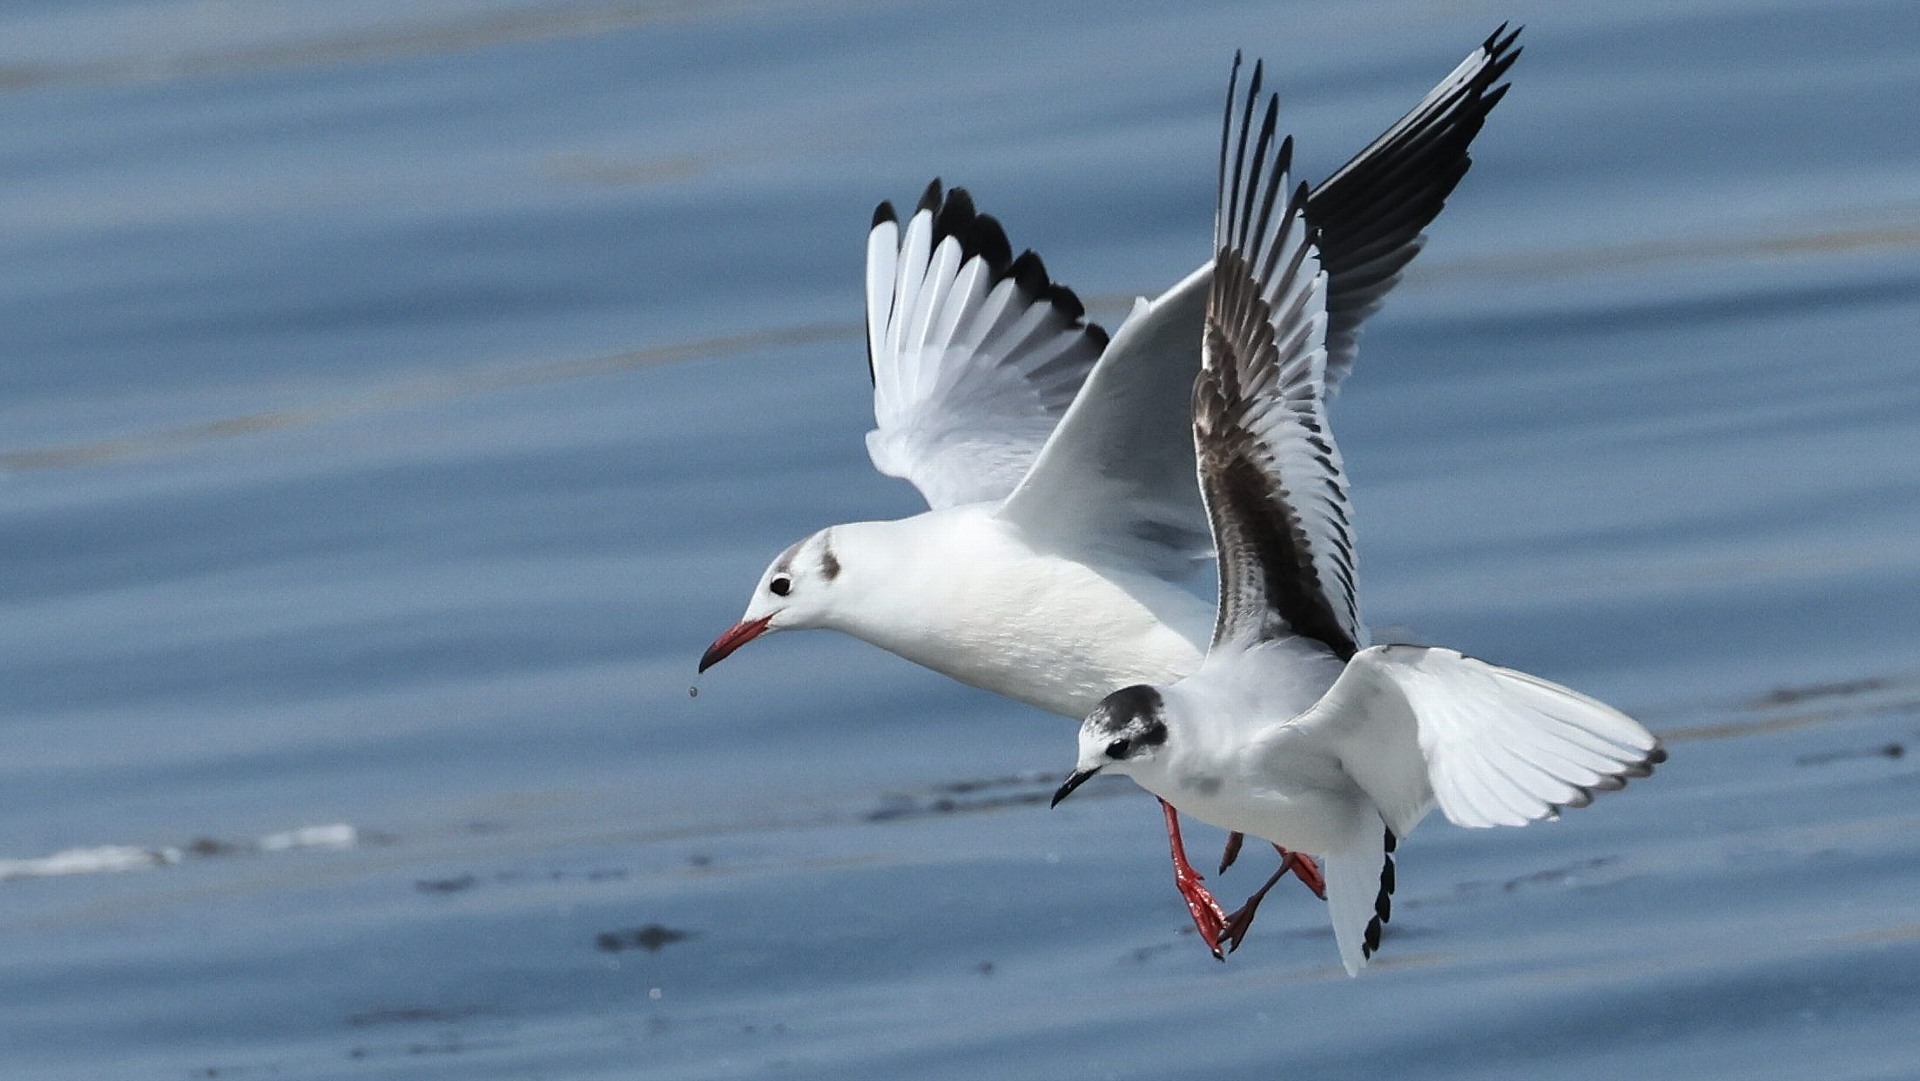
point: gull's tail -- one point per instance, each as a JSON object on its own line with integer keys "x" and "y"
{"x": 1360, "y": 891}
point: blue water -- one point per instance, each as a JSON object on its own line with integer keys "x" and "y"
{"x": 396, "y": 398}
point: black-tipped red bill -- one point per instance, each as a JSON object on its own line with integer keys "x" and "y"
{"x": 736, "y": 636}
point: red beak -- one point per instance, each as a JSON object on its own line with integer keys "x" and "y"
{"x": 737, "y": 635}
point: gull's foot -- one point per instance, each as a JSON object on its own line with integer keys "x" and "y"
{"x": 1305, "y": 868}
{"x": 1234, "y": 929}
{"x": 1208, "y": 918}
{"x": 1236, "y": 926}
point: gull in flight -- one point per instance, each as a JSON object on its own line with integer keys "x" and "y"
{"x": 1057, "y": 462}
{"x": 1293, "y": 728}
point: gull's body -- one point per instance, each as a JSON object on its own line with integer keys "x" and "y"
{"x": 1294, "y": 729}
{"x": 963, "y": 592}
{"x": 1058, "y": 464}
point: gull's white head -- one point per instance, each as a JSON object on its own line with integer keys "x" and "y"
{"x": 798, "y": 590}
{"x": 1124, "y": 733}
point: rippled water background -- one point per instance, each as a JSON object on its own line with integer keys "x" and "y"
{"x": 396, "y": 397}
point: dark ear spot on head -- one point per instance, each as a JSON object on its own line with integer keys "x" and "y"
{"x": 829, "y": 564}
{"x": 1154, "y": 734}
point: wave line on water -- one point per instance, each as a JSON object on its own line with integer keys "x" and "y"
{"x": 412, "y": 392}
{"x": 1574, "y": 263}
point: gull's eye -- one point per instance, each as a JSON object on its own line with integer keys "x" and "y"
{"x": 781, "y": 586}
{"x": 1117, "y": 749}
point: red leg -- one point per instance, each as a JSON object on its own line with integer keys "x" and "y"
{"x": 1207, "y": 917}
{"x": 1301, "y": 865}
{"x": 1232, "y": 851}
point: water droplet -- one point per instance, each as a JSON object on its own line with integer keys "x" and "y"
{"x": 693, "y": 692}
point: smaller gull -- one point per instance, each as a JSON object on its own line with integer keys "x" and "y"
{"x": 1293, "y": 729}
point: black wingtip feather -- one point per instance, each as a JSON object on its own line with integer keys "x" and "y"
{"x": 990, "y": 241}
{"x": 930, "y": 198}
{"x": 1066, "y": 302}
{"x": 1029, "y": 273}
{"x": 955, "y": 217}
{"x": 882, "y": 214}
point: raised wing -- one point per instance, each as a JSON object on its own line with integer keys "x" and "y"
{"x": 1370, "y": 215}
{"x": 974, "y": 354}
{"x": 1269, "y": 470}
{"x": 1116, "y": 480}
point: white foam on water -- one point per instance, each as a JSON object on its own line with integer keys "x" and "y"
{"x": 105, "y": 859}
{"x": 98, "y": 859}
{"x": 337, "y": 835}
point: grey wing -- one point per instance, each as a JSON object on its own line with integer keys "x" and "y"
{"x": 1371, "y": 213}
{"x": 1115, "y": 482}
{"x": 1270, "y": 472}
{"x": 974, "y": 354}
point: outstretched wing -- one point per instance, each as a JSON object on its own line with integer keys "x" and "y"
{"x": 1370, "y": 215}
{"x": 1269, "y": 470}
{"x": 1416, "y": 726}
{"x": 1115, "y": 482}
{"x": 974, "y": 354}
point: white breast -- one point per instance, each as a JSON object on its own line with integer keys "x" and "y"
{"x": 1301, "y": 798}
{"x": 967, "y": 597}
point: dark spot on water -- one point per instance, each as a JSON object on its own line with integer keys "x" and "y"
{"x": 409, "y": 1015}
{"x": 700, "y": 859}
{"x": 452, "y": 1045}
{"x": 984, "y": 968}
{"x": 211, "y": 846}
{"x": 445, "y": 885}
{"x": 1144, "y": 954}
{"x": 693, "y": 692}
{"x": 649, "y": 938}
{"x": 1567, "y": 875}
{"x": 1886, "y": 750}
{"x": 1787, "y": 696}
{"x": 981, "y": 795}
